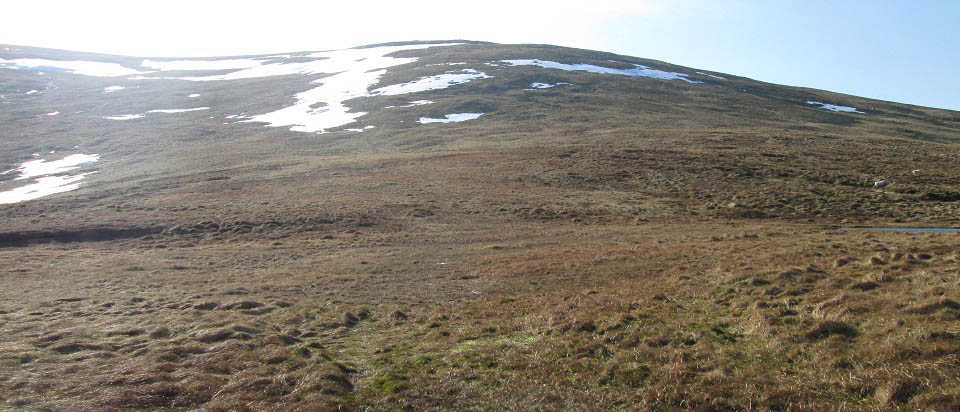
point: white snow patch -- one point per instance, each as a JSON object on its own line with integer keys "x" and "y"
{"x": 351, "y": 73}
{"x": 835, "y": 108}
{"x": 194, "y": 95}
{"x": 85, "y": 68}
{"x": 545, "y": 85}
{"x": 638, "y": 71}
{"x": 418, "y": 103}
{"x": 40, "y": 167}
{"x": 177, "y": 110}
{"x": 360, "y": 130}
{"x": 124, "y": 116}
{"x": 356, "y": 70}
{"x": 451, "y": 118}
{"x": 44, "y": 186}
{"x": 710, "y": 75}
{"x": 440, "y": 81}
{"x": 186, "y": 65}
{"x": 32, "y": 92}
{"x": 53, "y": 113}
{"x": 111, "y": 89}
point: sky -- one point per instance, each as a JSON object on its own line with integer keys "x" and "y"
{"x": 903, "y": 51}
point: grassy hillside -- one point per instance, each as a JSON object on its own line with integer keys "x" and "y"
{"x": 615, "y": 243}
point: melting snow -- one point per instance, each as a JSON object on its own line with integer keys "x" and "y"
{"x": 451, "y": 118}
{"x": 440, "y": 81}
{"x": 40, "y": 167}
{"x": 85, "y": 68}
{"x": 139, "y": 115}
{"x": 418, "y": 103}
{"x": 53, "y": 113}
{"x": 360, "y": 130}
{"x": 227, "y": 64}
{"x": 32, "y": 92}
{"x": 835, "y": 108}
{"x": 710, "y": 75}
{"x": 44, "y": 186}
{"x": 544, "y": 85}
{"x": 194, "y": 95}
{"x": 124, "y": 116}
{"x": 44, "y": 182}
{"x": 352, "y": 72}
{"x": 177, "y": 110}
{"x": 112, "y": 89}
{"x": 639, "y": 71}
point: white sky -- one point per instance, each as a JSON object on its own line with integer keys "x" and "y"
{"x": 178, "y": 28}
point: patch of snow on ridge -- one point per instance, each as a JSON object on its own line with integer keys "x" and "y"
{"x": 440, "y": 81}
{"x": 86, "y": 68}
{"x": 545, "y": 85}
{"x": 835, "y": 108}
{"x": 451, "y": 118}
{"x": 124, "y": 116}
{"x": 188, "y": 65}
{"x": 355, "y": 71}
{"x": 351, "y": 73}
{"x": 44, "y": 186}
{"x": 40, "y": 167}
{"x": 45, "y": 182}
{"x": 638, "y": 71}
{"x": 710, "y": 75}
{"x": 177, "y": 110}
{"x": 111, "y": 89}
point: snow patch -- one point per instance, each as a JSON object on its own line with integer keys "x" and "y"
{"x": 44, "y": 186}
{"x": 86, "y": 68}
{"x": 836, "y": 108}
{"x": 112, "y": 89}
{"x": 124, "y": 116}
{"x": 710, "y": 75}
{"x": 177, "y": 110}
{"x": 451, "y": 118}
{"x": 188, "y": 65}
{"x": 638, "y": 71}
{"x": 45, "y": 182}
{"x": 440, "y": 81}
{"x": 545, "y": 85}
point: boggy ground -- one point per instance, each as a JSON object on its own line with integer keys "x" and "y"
{"x": 581, "y": 277}
{"x": 528, "y": 316}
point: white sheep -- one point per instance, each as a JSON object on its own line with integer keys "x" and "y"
{"x": 880, "y": 183}
{"x": 915, "y": 172}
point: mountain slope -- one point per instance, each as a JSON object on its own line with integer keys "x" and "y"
{"x": 465, "y": 225}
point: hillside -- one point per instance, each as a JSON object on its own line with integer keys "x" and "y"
{"x": 464, "y": 225}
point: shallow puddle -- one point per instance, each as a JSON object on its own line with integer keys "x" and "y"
{"x": 910, "y": 229}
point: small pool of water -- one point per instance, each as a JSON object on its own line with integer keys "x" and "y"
{"x": 911, "y": 229}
